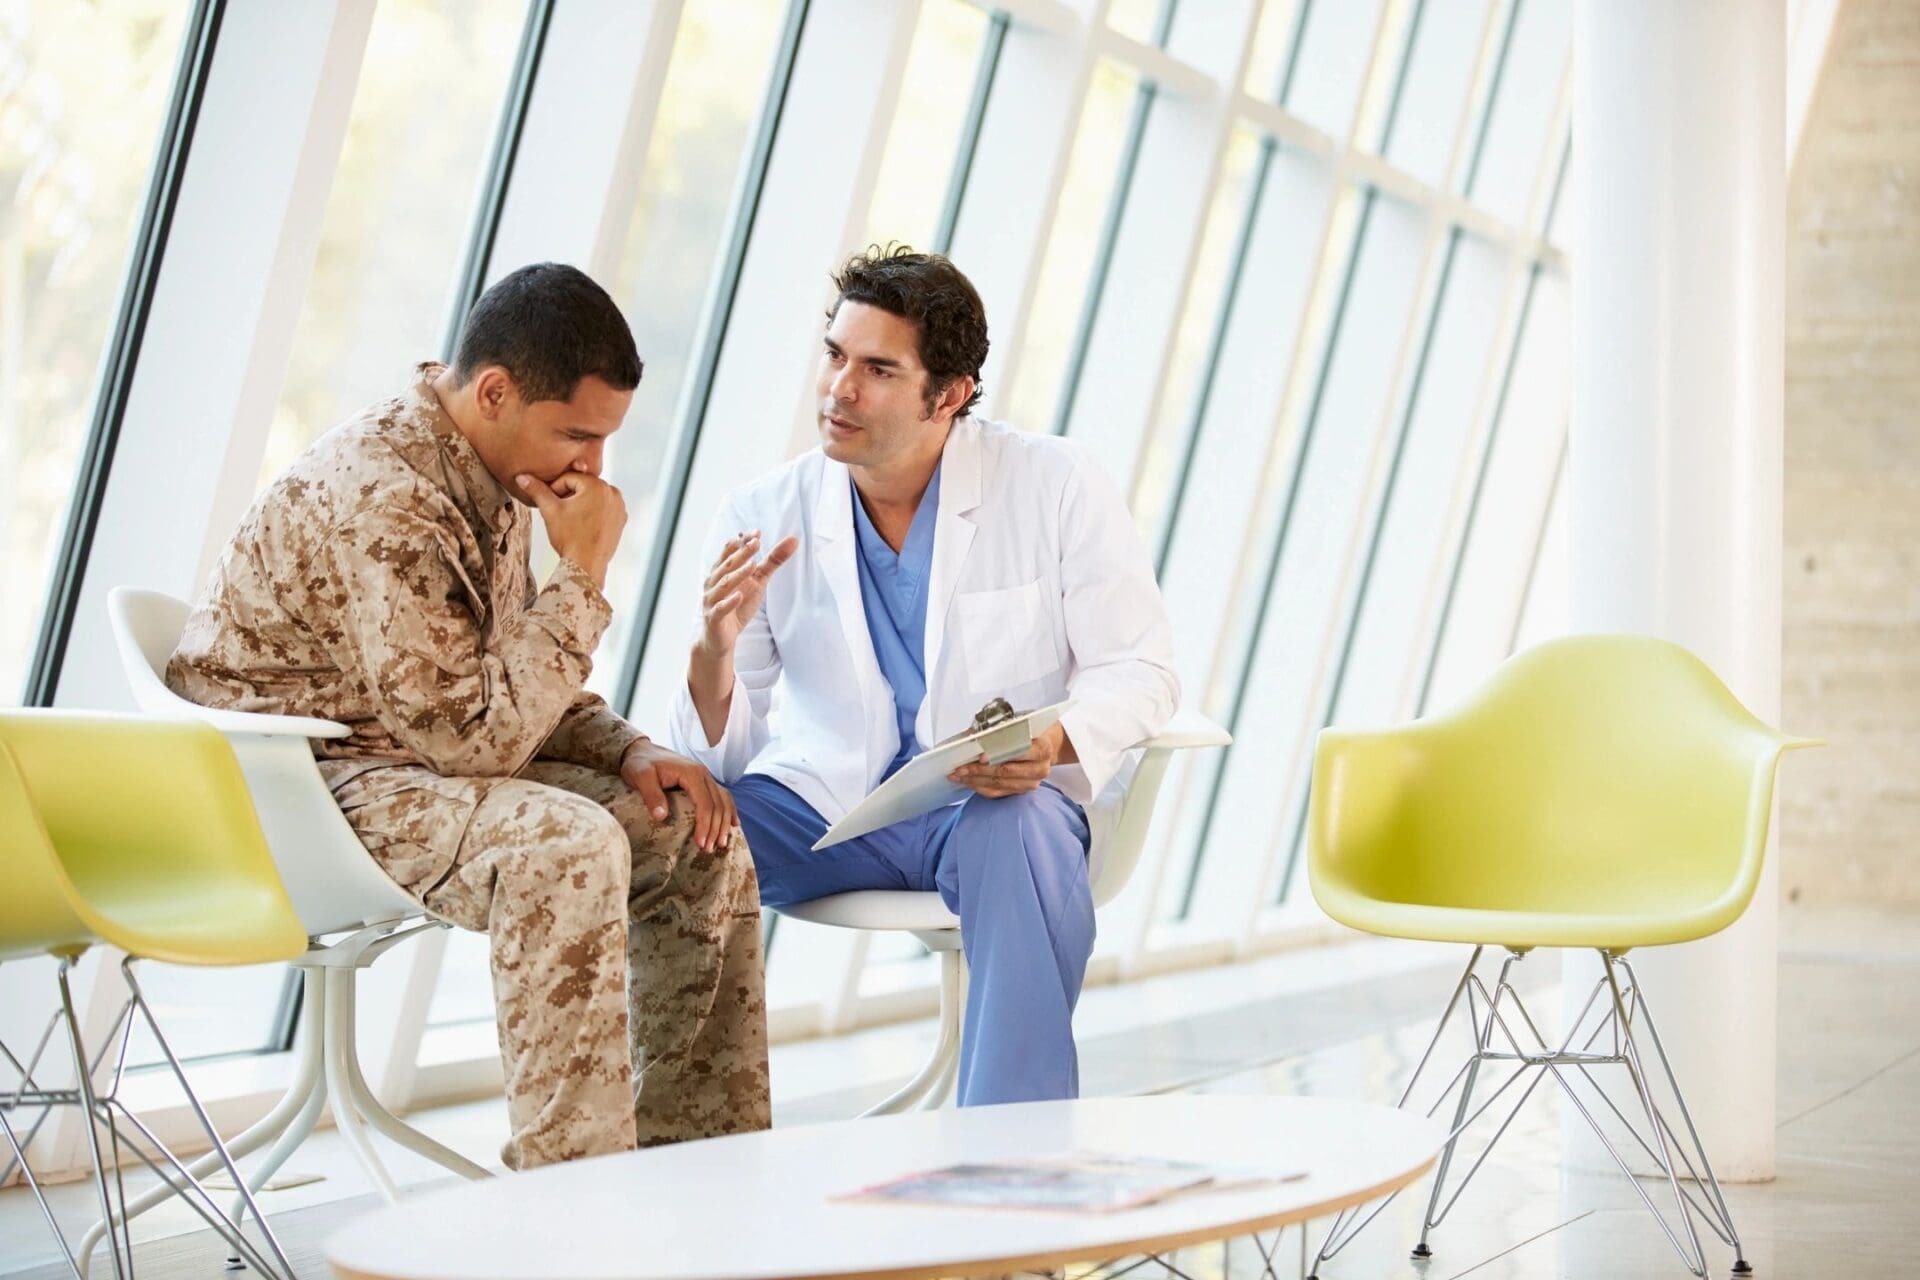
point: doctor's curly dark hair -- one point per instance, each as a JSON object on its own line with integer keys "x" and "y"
{"x": 929, "y": 290}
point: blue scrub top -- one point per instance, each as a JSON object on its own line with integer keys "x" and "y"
{"x": 893, "y": 586}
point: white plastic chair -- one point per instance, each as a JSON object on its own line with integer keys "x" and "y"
{"x": 925, "y": 914}
{"x": 337, "y": 888}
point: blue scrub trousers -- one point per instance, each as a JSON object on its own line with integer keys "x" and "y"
{"x": 1013, "y": 869}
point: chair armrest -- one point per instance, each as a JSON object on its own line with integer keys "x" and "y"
{"x": 156, "y": 699}
{"x": 262, "y": 725}
{"x": 1187, "y": 729}
{"x": 146, "y": 627}
{"x": 1355, "y": 801}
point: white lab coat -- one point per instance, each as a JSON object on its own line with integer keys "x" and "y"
{"x": 1040, "y": 591}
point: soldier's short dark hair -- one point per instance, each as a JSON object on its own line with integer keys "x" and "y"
{"x": 929, "y": 290}
{"x": 549, "y": 325}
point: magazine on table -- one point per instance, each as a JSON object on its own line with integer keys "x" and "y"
{"x": 1077, "y": 1182}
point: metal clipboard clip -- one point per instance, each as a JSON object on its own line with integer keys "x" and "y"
{"x": 1010, "y": 744}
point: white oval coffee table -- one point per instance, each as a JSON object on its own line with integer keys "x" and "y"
{"x": 758, "y": 1206}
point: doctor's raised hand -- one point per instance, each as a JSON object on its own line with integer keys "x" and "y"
{"x": 734, "y": 589}
{"x": 729, "y": 598}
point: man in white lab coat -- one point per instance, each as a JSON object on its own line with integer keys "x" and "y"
{"x": 918, "y": 564}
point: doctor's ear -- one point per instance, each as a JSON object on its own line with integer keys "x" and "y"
{"x": 946, "y": 406}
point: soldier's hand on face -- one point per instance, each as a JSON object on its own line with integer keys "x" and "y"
{"x": 1015, "y": 777}
{"x": 654, "y": 772}
{"x": 584, "y": 516}
{"x": 735, "y": 588}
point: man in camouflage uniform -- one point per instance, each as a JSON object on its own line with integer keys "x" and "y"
{"x": 384, "y": 581}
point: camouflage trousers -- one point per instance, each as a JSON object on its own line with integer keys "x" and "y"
{"x": 627, "y": 975}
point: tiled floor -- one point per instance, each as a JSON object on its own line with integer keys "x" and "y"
{"x": 1350, "y": 1022}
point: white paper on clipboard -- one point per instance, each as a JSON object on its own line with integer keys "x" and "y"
{"x": 921, "y": 786}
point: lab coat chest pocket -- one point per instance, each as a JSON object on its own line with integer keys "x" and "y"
{"x": 1008, "y": 637}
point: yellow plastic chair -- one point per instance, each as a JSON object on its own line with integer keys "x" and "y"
{"x": 1599, "y": 791}
{"x": 140, "y": 834}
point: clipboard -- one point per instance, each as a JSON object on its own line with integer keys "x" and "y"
{"x": 921, "y": 785}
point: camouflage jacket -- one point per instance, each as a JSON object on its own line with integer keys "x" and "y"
{"x": 384, "y": 581}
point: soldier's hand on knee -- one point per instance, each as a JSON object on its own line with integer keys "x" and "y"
{"x": 654, "y": 772}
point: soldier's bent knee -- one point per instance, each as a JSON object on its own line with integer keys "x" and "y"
{"x": 584, "y": 844}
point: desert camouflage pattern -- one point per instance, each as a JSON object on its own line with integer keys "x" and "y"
{"x": 385, "y": 581}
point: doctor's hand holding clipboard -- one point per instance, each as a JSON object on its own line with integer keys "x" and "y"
{"x": 1021, "y": 774}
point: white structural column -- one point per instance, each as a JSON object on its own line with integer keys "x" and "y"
{"x": 1675, "y": 455}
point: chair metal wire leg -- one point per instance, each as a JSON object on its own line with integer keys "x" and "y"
{"x": 120, "y": 1190}
{"x": 25, "y": 1072}
{"x": 33, "y": 1184}
{"x": 1434, "y": 1219}
{"x": 1427, "y": 1222}
{"x": 206, "y": 1124}
{"x": 29, "y": 1087}
{"x": 1554, "y": 1065}
{"x": 1740, "y": 1264}
{"x": 192, "y": 1193}
{"x": 83, "y": 1073}
{"x": 1543, "y": 1051}
{"x": 123, "y": 1234}
{"x": 302, "y": 1099}
{"x": 1502, "y": 1010}
{"x": 1335, "y": 1241}
{"x": 132, "y": 1208}
{"x": 1709, "y": 1213}
{"x": 1421, "y": 1250}
{"x": 1625, "y": 1052}
{"x": 1696, "y": 1258}
{"x": 1459, "y": 988}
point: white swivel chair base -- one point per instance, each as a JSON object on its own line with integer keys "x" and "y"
{"x": 326, "y": 1071}
{"x": 932, "y": 1086}
{"x": 925, "y": 916}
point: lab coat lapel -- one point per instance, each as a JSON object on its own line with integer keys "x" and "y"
{"x": 953, "y": 533}
{"x": 834, "y": 552}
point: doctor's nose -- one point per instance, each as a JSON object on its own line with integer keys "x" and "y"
{"x": 841, "y": 389}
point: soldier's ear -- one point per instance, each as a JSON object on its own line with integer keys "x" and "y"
{"x": 492, "y": 388}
